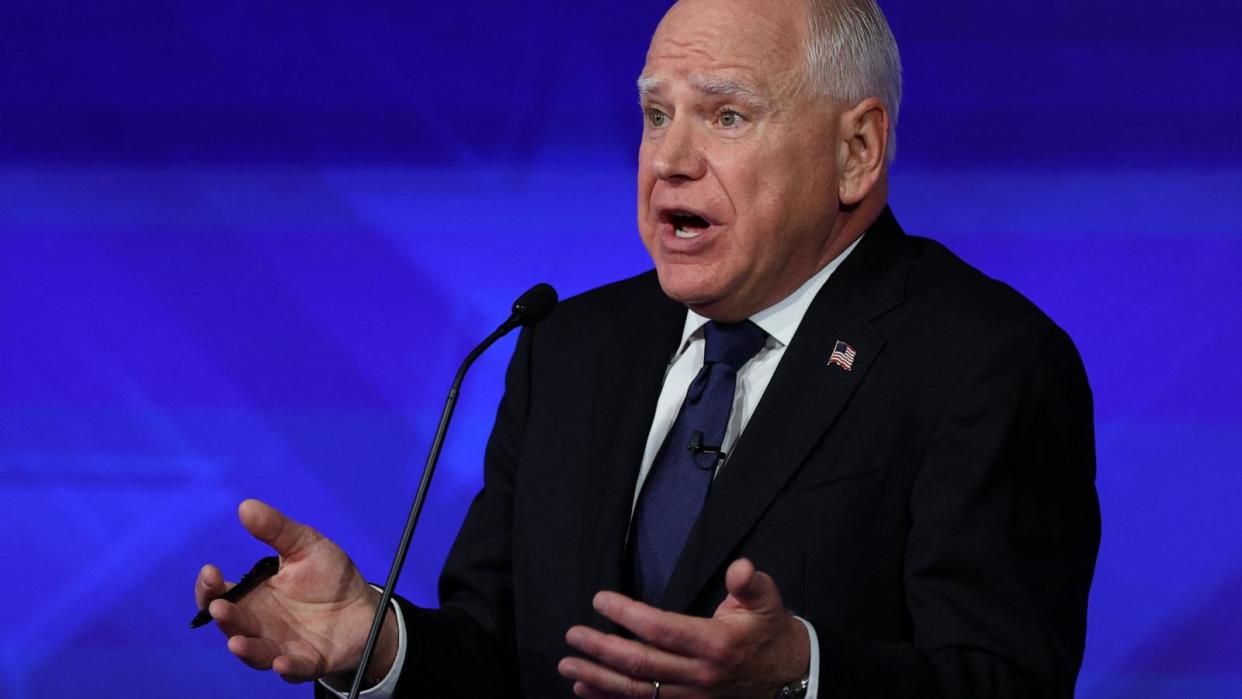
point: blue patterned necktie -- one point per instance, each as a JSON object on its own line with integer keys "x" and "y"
{"x": 682, "y": 472}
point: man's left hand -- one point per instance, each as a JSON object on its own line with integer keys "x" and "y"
{"x": 750, "y": 647}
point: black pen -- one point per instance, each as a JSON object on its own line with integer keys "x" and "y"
{"x": 264, "y": 569}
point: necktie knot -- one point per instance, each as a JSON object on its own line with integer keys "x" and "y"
{"x": 732, "y": 344}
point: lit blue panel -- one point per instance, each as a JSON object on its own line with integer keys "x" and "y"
{"x": 242, "y": 248}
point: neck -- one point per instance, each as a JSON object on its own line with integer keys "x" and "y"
{"x": 854, "y": 220}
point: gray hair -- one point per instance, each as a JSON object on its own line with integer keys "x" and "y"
{"x": 852, "y": 55}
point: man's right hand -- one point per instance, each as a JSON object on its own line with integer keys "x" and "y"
{"x": 308, "y": 621}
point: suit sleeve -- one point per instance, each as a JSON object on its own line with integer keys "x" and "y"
{"x": 1003, "y": 536}
{"x": 466, "y": 647}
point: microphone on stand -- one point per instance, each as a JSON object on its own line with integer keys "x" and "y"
{"x": 530, "y": 308}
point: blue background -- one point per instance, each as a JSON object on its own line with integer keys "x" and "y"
{"x": 243, "y": 246}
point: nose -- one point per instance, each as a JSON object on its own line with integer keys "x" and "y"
{"x": 679, "y": 155}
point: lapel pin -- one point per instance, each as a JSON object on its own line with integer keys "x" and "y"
{"x": 843, "y": 356}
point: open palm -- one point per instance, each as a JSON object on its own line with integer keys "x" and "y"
{"x": 309, "y": 620}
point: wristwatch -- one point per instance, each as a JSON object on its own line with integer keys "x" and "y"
{"x": 794, "y": 690}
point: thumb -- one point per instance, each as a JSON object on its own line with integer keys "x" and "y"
{"x": 752, "y": 589}
{"x": 268, "y": 525}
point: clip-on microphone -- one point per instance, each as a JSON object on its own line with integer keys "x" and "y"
{"x": 696, "y": 447}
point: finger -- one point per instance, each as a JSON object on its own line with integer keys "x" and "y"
{"x": 635, "y": 659}
{"x": 210, "y": 585}
{"x": 268, "y": 525}
{"x": 295, "y": 669}
{"x": 594, "y": 680}
{"x": 586, "y": 691}
{"x": 752, "y": 588}
{"x": 255, "y": 652}
{"x": 232, "y": 619}
{"x": 685, "y": 635}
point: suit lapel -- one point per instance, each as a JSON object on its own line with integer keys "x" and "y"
{"x": 801, "y": 402}
{"x": 633, "y": 363}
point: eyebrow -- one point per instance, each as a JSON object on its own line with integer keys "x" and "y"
{"x": 708, "y": 85}
{"x": 726, "y": 87}
{"x": 647, "y": 85}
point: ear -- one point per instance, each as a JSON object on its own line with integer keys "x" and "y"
{"x": 862, "y": 150}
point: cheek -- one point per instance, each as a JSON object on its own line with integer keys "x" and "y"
{"x": 643, "y": 209}
{"x": 748, "y": 175}
{"x": 646, "y": 174}
{"x": 759, "y": 211}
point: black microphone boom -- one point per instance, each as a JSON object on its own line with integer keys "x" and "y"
{"x": 530, "y": 308}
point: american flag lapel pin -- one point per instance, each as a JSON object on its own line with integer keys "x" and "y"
{"x": 843, "y": 356}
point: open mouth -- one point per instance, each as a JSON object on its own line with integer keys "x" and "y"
{"x": 687, "y": 225}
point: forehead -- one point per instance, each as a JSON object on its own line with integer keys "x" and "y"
{"x": 756, "y": 42}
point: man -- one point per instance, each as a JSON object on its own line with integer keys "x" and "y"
{"x": 867, "y": 470}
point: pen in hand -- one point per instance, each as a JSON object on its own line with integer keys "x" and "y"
{"x": 264, "y": 569}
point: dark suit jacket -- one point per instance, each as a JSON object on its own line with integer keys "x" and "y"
{"x": 931, "y": 511}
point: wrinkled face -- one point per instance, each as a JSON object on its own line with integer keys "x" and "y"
{"x": 737, "y": 189}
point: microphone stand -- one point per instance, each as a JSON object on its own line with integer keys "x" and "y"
{"x": 529, "y": 309}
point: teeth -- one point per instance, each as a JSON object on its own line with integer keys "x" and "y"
{"x": 683, "y": 233}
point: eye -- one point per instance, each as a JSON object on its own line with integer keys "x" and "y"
{"x": 656, "y": 118}
{"x": 730, "y": 119}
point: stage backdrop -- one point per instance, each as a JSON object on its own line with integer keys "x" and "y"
{"x": 243, "y": 246}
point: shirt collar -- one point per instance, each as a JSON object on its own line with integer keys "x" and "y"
{"x": 780, "y": 320}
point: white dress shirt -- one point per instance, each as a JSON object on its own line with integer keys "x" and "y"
{"x": 780, "y": 322}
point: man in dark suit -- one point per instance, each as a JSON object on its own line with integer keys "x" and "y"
{"x": 809, "y": 455}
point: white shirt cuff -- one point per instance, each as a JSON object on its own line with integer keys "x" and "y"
{"x": 388, "y": 685}
{"x": 812, "y": 686}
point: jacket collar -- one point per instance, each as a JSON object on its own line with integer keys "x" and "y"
{"x": 803, "y": 400}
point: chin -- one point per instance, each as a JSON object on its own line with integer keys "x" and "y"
{"x": 684, "y": 285}
{"x": 705, "y": 294}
